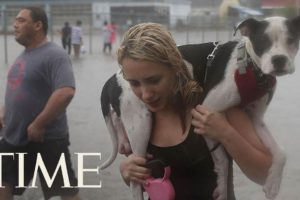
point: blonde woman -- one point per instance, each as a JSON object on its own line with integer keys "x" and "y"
{"x": 155, "y": 70}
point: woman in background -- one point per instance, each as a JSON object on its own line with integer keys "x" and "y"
{"x": 77, "y": 38}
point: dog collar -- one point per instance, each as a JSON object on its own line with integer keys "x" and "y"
{"x": 251, "y": 82}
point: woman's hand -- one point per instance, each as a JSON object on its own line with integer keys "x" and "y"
{"x": 209, "y": 123}
{"x": 133, "y": 169}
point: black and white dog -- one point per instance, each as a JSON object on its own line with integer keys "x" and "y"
{"x": 234, "y": 73}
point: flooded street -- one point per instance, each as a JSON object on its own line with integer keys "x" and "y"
{"x": 89, "y": 134}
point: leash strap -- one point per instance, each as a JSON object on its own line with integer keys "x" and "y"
{"x": 210, "y": 59}
{"x": 211, "y": 56}
{"x": 242, "y": 58}
{"x": 215, "y": 147}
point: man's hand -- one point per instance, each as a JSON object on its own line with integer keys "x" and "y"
{"x": 35, "y": 132}
{"x": 56, "y": 104}
{"x": 1, "y": 117}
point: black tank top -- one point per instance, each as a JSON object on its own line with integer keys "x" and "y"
{"x": 192, "y": 168}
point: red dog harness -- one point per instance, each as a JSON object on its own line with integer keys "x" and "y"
{"x": 252, "y": 86}
{"x": 251, "y": 82}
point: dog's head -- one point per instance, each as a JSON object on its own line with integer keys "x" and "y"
{"x": 272, "y": 43}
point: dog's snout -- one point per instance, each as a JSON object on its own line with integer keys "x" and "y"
{"x": 279, "y": 62}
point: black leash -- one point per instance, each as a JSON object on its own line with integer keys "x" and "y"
{"x": 215, "y": 147}
{"x": 210, "y": 59}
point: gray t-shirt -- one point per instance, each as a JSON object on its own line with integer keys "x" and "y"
{"x": 31, "y": 80}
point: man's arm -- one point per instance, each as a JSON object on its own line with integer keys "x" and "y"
{"x": 58, "y": 102}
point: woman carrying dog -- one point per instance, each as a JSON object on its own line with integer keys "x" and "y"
{"x": 154, "y": 68}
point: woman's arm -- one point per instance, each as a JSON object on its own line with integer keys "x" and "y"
{"x": 239, "y": 138}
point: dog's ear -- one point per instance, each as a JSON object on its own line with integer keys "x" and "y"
{"x": 295, "y": 23}
{"x": 247, "y": 26}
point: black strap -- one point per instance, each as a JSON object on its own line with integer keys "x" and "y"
{"x": 210, "y": 59}
{"x": 215, "y": 147}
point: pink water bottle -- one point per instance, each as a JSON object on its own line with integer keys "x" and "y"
{"x": 160, "y": 188}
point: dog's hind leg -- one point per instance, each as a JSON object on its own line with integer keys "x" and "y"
{"x": 137, "y": 121}
{"x": 118, "y": 136}
{"x": 138, "y": 134}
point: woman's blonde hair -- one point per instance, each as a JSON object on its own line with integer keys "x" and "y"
{"x": 154, "y": 43}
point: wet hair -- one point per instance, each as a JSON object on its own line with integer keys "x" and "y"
{"x": 38, "y": 14}
{"x": 154, "y": 43}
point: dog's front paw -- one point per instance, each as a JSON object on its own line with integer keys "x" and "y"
{"x": 271, "y": 187}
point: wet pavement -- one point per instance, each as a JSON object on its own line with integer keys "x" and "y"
{"x": 89, "y": 133}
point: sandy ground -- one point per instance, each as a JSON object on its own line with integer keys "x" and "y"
{"x": 89, "y": 133}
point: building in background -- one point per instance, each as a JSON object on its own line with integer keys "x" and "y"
{"x": 127, "y": 13}
{"x": 95, "y": 12}
{"x": 255, "y": 4}
{"x": 280, "y": 7}
{"x": 183, "y": 14}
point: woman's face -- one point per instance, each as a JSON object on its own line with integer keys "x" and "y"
{"x": 153, "y": 83}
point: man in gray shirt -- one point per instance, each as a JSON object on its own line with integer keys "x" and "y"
{"x": 40, "y": 85}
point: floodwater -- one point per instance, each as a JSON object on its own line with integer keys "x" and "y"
{"x": 89, "y": 133}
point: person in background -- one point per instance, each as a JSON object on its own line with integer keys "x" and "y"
{"x": 106, "y": 36}
{"x": 158, "y": 76}
{"x": 113, "y": 33}
{"x": 40, "y": 86}
{"x": 66, "y": 37}
{"x": 76, "y": 38}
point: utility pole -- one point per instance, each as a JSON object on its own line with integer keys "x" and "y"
{"x": 298, "y": 7}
